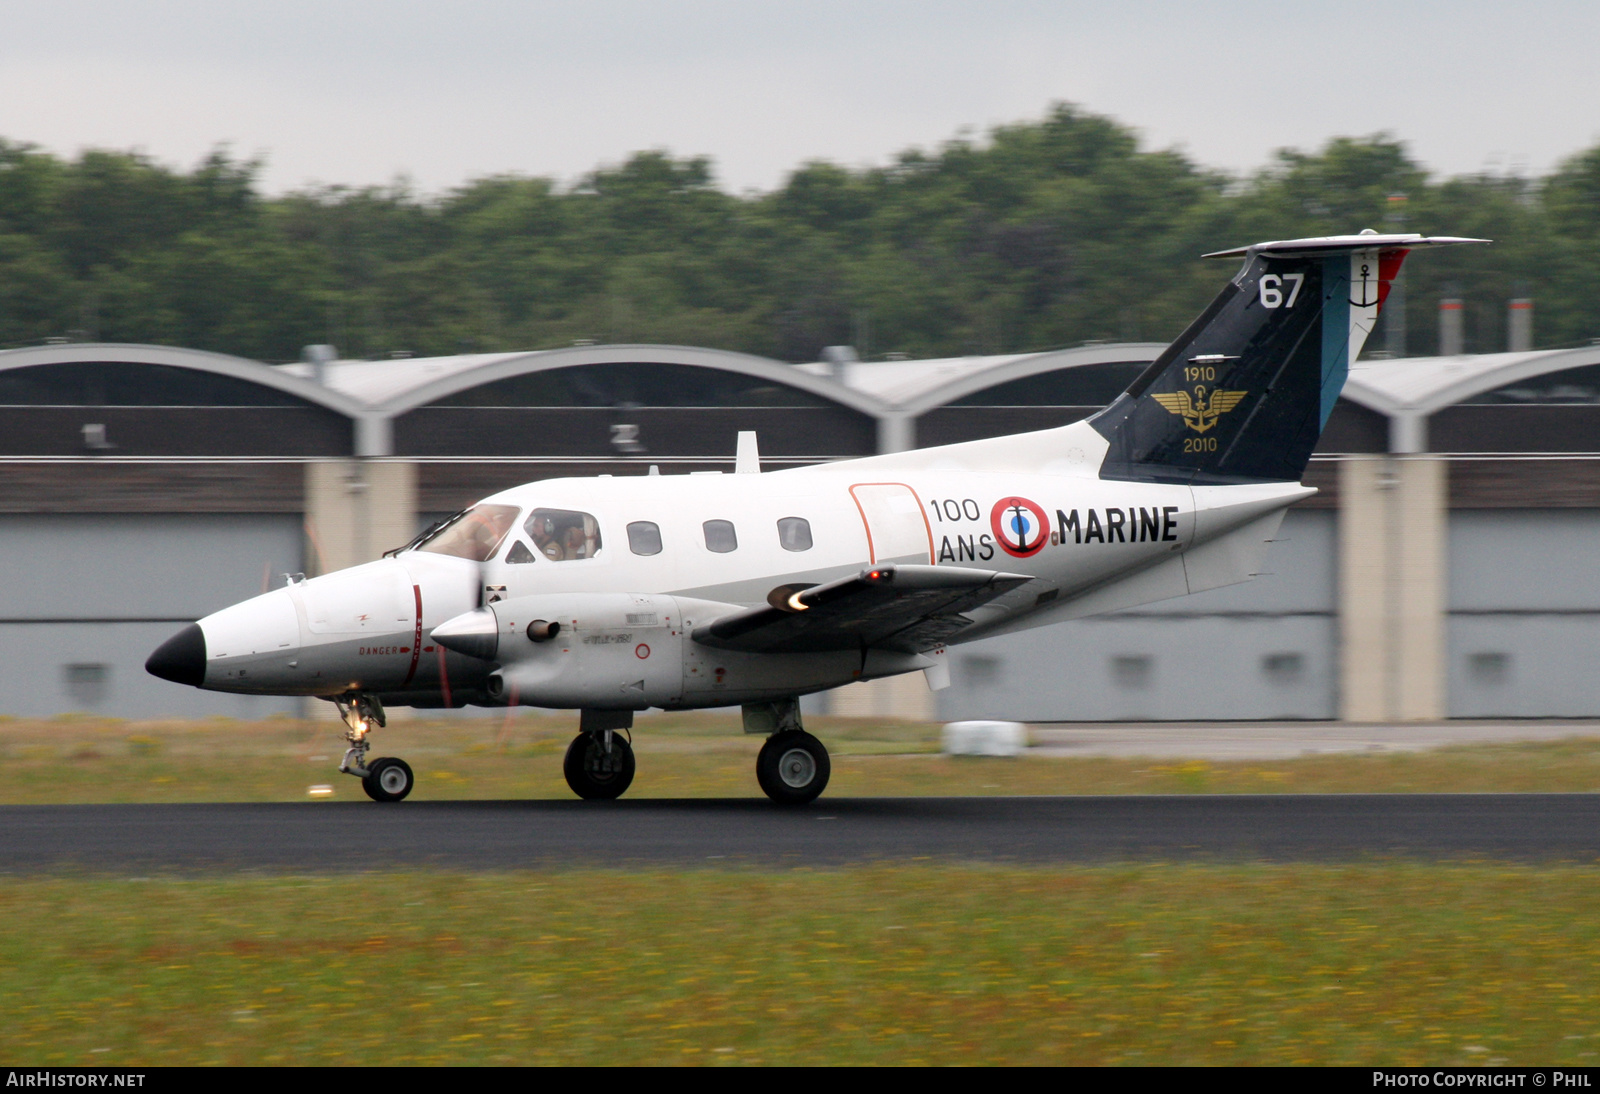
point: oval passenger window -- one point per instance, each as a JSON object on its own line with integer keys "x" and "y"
{"x": 644, "y": 537}
{"x": 720, "y": 536}
{"x": 794, "y": 533}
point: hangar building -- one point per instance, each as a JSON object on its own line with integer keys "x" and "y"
{"x": 1446, "y": 568}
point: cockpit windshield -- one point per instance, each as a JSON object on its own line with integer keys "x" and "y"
{"x": 473, "y": 534}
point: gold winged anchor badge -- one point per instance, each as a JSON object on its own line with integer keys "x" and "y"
{"x": 1201, "y": 412}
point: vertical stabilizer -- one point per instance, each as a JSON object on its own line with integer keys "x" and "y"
{"x": 1244, "y": 393}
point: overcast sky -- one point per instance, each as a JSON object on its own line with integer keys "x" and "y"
{"x": 359, "y": 91}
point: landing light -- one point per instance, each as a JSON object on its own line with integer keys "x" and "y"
{"x": 795, "y": 604}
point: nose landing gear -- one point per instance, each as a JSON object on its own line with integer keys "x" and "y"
{"x": 386, "y": 779}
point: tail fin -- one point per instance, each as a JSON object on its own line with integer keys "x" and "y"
{"x": 1243, "y": 394}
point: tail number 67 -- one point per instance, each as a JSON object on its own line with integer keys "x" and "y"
{"x": 1272, "y": 290}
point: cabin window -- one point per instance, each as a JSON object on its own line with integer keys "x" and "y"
{"x": 519, "y": 554}
{"x": 794, "y": 533}
{"x": 562, "y": 535}
{"x": 473, "y": 534}
{"x": 644, "y": 537}
{"x": 720, "y": 536}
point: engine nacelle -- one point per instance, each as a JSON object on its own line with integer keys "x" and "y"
{"x": 598, "y": 650}
{"x": 627, "y": 651}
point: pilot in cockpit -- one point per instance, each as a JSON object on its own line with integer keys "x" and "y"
{"x": 542, "y": 528}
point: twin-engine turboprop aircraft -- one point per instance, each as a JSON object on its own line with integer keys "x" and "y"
{"x": 613, "y": 595}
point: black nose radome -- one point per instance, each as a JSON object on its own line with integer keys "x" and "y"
{"x": 181, "y": 658}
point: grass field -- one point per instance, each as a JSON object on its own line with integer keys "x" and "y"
{"x": 80, "y": 759}
{"x": 1370, "y": 964}
{"x": 1376, "y": 963}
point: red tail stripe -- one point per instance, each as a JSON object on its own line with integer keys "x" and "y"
{"x": 1388, "y": 269}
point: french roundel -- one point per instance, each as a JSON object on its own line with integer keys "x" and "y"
{"x": 1020, "y": 527}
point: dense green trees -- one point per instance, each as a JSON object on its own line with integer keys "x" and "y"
{"x": 1043, "y": 234}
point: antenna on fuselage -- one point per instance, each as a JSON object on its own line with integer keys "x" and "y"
{"x": 747, "y": 457}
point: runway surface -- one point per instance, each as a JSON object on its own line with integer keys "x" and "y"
{"x": 502, "y": 835}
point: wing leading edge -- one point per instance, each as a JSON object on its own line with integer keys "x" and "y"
{"x": 908, "y": 608}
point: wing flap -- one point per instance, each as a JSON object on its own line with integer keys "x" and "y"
{"x": 892, "y": 607}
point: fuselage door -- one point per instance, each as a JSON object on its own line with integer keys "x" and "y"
{"x": 897, "y": 528}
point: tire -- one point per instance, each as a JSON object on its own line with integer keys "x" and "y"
{"x": 793, "y": 768}
{"x": 388, "y": 780}
{"x": 592, "y": 774}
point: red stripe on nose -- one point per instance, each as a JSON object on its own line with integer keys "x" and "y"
{"x": 416, "y": 642}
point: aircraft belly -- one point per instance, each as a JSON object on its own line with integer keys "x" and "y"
{"x": 713, "y": 677}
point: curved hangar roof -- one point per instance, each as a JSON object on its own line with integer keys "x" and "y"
{"x": 160, "y": 401}
{"x": 1538, "y": 401}
{"x": 564, "y": 402}
{"x": 1428, "y": 384}
{"x": 608, "y": 402}
{"x": 110, "y": 399}
{"x": 915, "y": 387}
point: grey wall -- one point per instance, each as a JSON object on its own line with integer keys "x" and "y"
{"x": 1524, "y": 624}
{"x": 86, "y": 598}
{"x": 1264, "y": 649}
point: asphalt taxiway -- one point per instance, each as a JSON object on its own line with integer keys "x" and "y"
{"x": 463, "y": 835}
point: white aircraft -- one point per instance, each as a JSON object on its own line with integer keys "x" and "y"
{"x": 614, "y": 595}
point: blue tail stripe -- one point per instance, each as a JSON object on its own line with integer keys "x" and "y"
{"x": 1335, "y": 330}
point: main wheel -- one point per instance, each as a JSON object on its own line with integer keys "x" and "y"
{"x": 793, "y": 768}
{"x": 388, "y": 780}
{"x": 594, "y": 773}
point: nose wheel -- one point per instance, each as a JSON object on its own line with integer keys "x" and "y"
{"x": 386, "y": 779}
{"x": 389, "y": 779}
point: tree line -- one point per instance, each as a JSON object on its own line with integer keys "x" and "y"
{"x": 1041, "y": 234}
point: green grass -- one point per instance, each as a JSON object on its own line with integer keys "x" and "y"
{"x": 691, "y": 755}
{"x": 1368, "y": 964}
{"x": 1378, "y": 963}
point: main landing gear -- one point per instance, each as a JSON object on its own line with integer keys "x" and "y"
{"x": 599, "y": 763}
{"x": 386, "y": 779}
{"x": 793, "y": 766}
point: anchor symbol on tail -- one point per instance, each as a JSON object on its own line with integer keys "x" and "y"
{"x": 1201, "y": 412}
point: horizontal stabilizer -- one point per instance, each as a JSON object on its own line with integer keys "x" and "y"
{"x": 1327, "y": 245}
{"x": 909, "y": 608}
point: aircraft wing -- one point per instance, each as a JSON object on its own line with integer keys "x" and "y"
{"x": 910, "y": 608}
